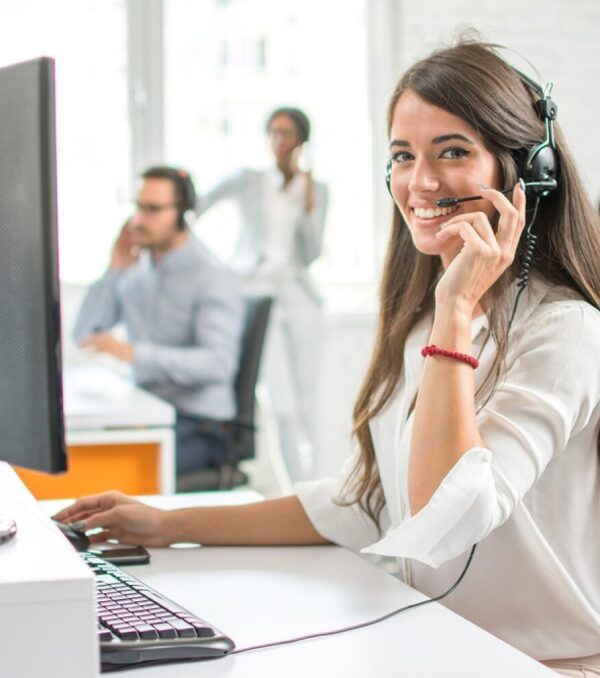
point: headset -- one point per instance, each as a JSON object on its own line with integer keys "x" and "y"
{"x": 539, "y": 165}
{"x": 184, "y": 187}
{"x": 185, "y": 193}
{"x": 540, "y": 169}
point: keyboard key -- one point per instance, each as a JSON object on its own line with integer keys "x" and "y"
{"x": 104, "y": 635}
{"x": 116, "y": 625}
{"x": 183, "y": 629}
{"x": 146, "y": 631}
{"x": 165, "y": 630}
{"x": 202, "y": 630}
{"x": 126, "y": 633}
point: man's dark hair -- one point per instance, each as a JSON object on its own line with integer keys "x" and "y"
{"x": 185, "y": 193}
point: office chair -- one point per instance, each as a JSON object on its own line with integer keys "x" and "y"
{"x": 242, "y": 428}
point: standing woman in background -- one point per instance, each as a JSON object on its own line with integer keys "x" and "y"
{"x": 283, "y": 213}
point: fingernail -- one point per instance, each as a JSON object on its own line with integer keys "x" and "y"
{"x": 522, "y": 184}
{"x": 484, "y": 185}
{"x": 79, "y": 525}
{"x": 441, "y": 226}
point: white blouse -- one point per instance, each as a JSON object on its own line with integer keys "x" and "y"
{"x": 283, "y": 209}
{"x": 530, "y": 498}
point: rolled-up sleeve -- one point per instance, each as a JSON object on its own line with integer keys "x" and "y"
{"x": 346, "y": 526}
{"x": 548, "y": 395}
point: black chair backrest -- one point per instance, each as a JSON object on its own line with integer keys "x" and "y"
{"x": 258, "y": 309}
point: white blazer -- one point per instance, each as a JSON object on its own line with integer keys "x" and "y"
{"x": 251, "y": 189}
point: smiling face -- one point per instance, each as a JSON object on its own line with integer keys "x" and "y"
{"x": 436, "y": 154}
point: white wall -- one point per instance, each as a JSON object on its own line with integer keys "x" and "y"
{"x": 347, "y": 349}
{"x": 560, "y": 38}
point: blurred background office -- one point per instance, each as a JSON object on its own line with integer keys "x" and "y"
{"x": 189, "y": 83}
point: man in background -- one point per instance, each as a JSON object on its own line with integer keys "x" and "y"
{"x": 183, "y": 313}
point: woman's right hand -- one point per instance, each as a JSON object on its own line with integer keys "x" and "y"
{"x": 482, "y": 255}
{"x": 121, "y": 517}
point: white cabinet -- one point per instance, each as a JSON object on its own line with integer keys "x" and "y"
{"x": 47, "y": 617}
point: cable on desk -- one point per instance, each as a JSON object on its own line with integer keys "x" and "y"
{"x": 344, "y": 629}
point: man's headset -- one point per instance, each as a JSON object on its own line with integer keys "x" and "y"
{"x": 540, "y": 167}
{"x": 186, "y": 194}
{"x": 183, "y": 186}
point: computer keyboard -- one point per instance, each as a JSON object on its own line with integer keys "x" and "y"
{"x": 138, "y": 626}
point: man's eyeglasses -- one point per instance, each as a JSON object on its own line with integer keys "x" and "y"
{"x": 150, "y": 209}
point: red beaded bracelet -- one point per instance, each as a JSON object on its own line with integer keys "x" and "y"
{"x": 432, "y": 349}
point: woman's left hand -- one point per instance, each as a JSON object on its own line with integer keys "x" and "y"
{"x": 482, "y": 255}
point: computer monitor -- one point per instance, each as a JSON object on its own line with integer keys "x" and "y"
{"x": 31, "y": 413}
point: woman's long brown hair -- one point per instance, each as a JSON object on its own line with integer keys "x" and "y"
{"x": 472, "y": 82}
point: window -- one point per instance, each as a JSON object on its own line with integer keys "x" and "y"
{"x": 88, "y": 41}
{"x": 228, "y": 63}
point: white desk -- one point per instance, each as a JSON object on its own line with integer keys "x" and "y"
{"x": 257, "y": 595}
{"x": 104, "y": 408}
{"x": 98, "y": 398}
{"x": 118, "y": 435}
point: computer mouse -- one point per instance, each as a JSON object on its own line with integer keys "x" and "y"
{"x": 79, "y": 539}
{"x": 8, "y": 528}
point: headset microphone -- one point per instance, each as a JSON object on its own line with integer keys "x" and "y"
{"x": 538, "y": 186}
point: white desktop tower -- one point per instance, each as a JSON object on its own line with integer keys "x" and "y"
{"x": 47, "y": 616}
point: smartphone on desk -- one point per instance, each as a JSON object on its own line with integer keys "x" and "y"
{"x": 121, "y": 554}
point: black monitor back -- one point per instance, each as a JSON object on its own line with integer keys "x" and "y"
{"x": 31, "y": 417}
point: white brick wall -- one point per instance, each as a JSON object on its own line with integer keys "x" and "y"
{"x": 561, "y": 38}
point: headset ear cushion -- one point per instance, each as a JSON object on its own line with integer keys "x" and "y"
{"x": 541, "y": 165}
{"x": 189, "y": 196}
{"x": 187, "y": 189}
{"x": 388, "y": 176}
{"x": 190, "y": 193}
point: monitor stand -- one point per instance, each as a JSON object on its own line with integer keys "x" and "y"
{"x": 8, "y": 528}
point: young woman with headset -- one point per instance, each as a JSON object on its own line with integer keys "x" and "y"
{"x": 478, "y": 419}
